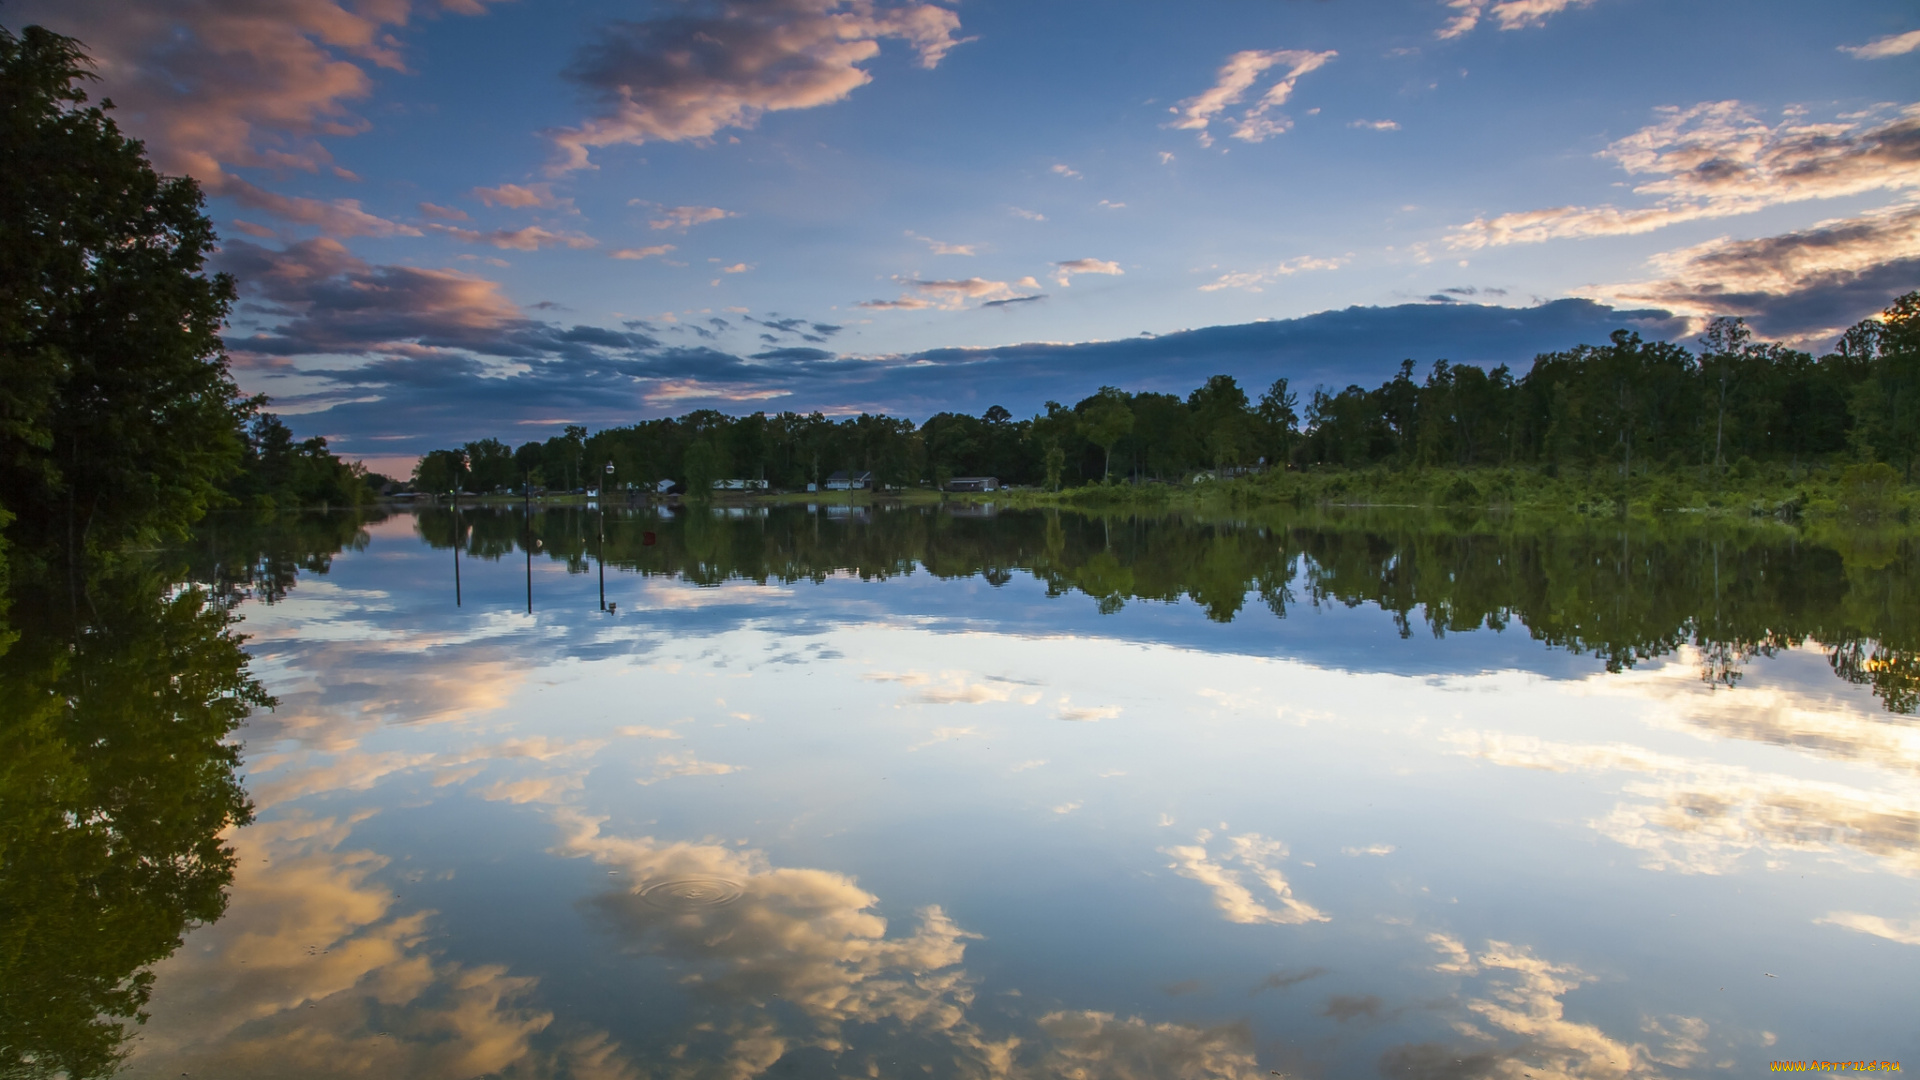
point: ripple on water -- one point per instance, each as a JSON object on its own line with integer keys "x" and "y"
{"x": 691, "y": 893}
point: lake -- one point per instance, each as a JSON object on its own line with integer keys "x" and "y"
{"x": 968, "y": 792}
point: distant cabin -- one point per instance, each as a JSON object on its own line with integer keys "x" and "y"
{"x": 842, "y": 481}
{"x": 739, "y": 485}
{"x": 974, "y": 483}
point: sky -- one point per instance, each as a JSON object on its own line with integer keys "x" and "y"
{"x": 452, "y": 219}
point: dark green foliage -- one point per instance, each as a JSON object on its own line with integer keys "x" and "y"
{"x": 276, "y": 471}
{"x": 118, "y": 420}
{"x": 117, "y": 781}
{"x": 1620, "y": 591}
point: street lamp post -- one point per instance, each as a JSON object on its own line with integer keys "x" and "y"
{"x": 602, "y": 519}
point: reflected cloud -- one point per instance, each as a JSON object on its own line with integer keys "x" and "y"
{"x": 668, "y": 766}
{"x": 1705, "y": 817}
{"x": 1247, "y": 855}
{"x": 1826, "y": 724}
{"x": 314, "y": 971}
{"x": 1904, "y": 931}
{"x": 745, "y": 933}
{"x": 1099, "y": 1044}
{"x": 1519, "y": 1027}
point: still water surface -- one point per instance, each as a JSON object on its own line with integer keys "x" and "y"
{"x": 903, "y": 793}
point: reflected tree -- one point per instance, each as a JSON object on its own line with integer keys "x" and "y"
{"x": 117, "y": 784}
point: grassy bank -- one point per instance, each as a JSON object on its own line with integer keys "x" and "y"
{"x": 1847, "y": 494}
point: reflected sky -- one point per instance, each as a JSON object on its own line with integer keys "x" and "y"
{"x": 928, "y": 825}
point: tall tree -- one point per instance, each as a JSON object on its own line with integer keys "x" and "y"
{"x": 118, "y": 418}
{"x": 1105, "y": 419}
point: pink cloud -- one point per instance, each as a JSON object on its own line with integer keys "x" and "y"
{"x": 687, "y": 76}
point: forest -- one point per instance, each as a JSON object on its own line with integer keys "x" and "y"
{"x": 1630, "y": 407}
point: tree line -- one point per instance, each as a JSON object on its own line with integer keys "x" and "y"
{"x": 1630, "y": 407}
{"x": 1623, "y": 592}
{"x": 119, "y": 419}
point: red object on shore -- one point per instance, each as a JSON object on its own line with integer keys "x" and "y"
{"x": 647, "y": 540}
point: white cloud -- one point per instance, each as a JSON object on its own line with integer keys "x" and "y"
{"x": 947, "y": 295}
{"x": 514, "y": 196}
{"x": 1375, "y": 125}
{"x": 1703, "y": 817}
{"x": 686, "y": 217}
{"x": 641, "y": 252}
{"x": 1716, "y": 159}
{"x": 1370, "y": 849}
{"x": 1904, "y": 931}
{"x": 687, "y": 75}
{"x": 668, "y": 766}
{"x": 1062, "y": 170}
{"x": 1511, "y": 990}
{"x": 1085, "y": 714}
{"x": 1891, "y": 45}
{"x": 531, "y": 238}
{"x": 1030, "y": 215}
{"x": 1803, "y": 286}
{"x": 1510, "y": 14}
{"x": 1231, "y": 83}
{"x": 1086, "y": 1044}
{"x": 1256, "y": 280}
{"x": 1063, "y": 272}
{"x": 1250, "y": 855}
{"x": 939, "y": 247}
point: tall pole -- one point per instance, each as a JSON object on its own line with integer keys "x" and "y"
{"x": 456, "y": 550}
{"x": 601, "y": 517}
{"x": 526, "y": 540}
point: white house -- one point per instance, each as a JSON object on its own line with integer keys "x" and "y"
{"x": 841, "y": 481}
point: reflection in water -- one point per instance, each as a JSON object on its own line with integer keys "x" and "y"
{"x": 1704, "y": 816}
{"x": 117, "y": 791}
{"x": 937, "y": 825}
{"x": 1623, "y": 593}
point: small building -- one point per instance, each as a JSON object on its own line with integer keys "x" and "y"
{"x": 739, "y": 485}
{"x": 974, "y": 483}
{"x": 843, "y": 481}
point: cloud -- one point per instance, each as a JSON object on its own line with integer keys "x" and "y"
{"x": 1510, "y": 14}
{"x": 1370, "y": 849}
{"x": 1090, "y": 1044}
{"x": 1715, "y": 160}
{"x": 940, "y": 248}
{"x": 1250, "y": 855}
{"x": 1518, "y": 1026}
{"x": 1063, "y": 271}
{"x": 213, "y": 87}
{"x": 1881, "y": 48}
{"x": 641, "y": 252}
{"x": 1702, "y": 817}
{"x": 1375, "y": 125}
{"x": 689, "y": 74}
{"x": 1030, "y": 215}
{"x": 515, "y": 196}
{"x": 316, "y": 968}
{"x": 1256, "y": 280}
{"x": 444, "y": 213}
{"x": 947, "y": 295}
{"x": 530, "y": 238}
{"x": 1062, "y": 170}
{"x": 686, "y": 217}
{"x": 336, "y": 217}
{"x": 1905, "y": 932}
{"x": 1801, "y": 286}
{"x": 1231, "y": 83}
{"x": 669, "y": 766}
{"x": 1086, "y": 714}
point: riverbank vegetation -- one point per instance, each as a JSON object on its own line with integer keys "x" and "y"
{"x": 1729, "y": 425}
